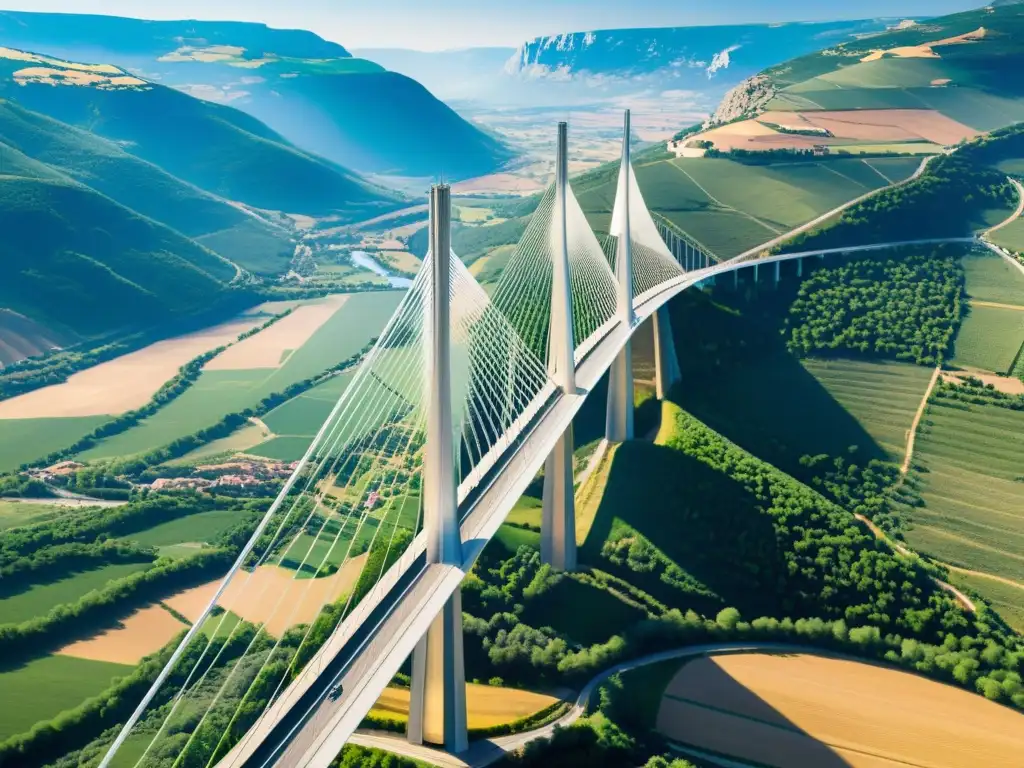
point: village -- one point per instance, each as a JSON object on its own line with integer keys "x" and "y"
{"x": 251, "y": 474}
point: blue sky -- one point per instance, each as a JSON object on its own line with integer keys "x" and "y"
{"x": 441, "y": 24}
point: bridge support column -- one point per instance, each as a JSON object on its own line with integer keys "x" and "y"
{"x": 736, "y": 279}
{"x": 666, "y": 364}
{"x": 619, "y": 416}
{"x": 437, "y": 708}
{"x": 756, "y": 265}
{"x": 558, "y": 520}
{"x": 799, "y": 267}
{"x": 778, "y": 272}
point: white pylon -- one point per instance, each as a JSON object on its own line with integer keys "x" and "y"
{"x": 666, "y": 363}
{"x": 558, "y": 519}
{"x": 437, "y": 707}
{"x": 619, "y": 421}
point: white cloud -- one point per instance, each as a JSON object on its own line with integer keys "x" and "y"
{"x": 721, "y": 60}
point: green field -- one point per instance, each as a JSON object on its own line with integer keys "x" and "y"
{"x": 14, "y": 513}
{"x": 303, "y": 416}
{"x": 883, "y": 397}
{"x": 989, "y": 339}
{"x": 974, "y": 500}
{"x": 991, "y": 278}
{"x": 25, "y": 440}
{"x": 217, "y": 393}
{"x": 731, "y": 207}
{"x": 39, "y": 599}
{"x": 203, "y": 527}
{"x": 45, "y": 687}
{"x": 1011, "y": 236}
{"x": 1007, "y": 600}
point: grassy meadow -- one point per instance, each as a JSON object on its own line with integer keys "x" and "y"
{"x": 198, "y": 528}
{"x": 1007, "y": 600}
{"x": 46, "y": 686}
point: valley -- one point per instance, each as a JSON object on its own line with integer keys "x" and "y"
{"x": 213, "y": 243}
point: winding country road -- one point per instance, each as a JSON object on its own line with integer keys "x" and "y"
{"x": 483, "y": 753}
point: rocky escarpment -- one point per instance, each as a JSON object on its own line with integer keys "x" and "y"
{"x": 745, "y": 100}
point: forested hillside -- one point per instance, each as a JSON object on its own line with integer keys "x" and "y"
{"x": 75, "y": 258}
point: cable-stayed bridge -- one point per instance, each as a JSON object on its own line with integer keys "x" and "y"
{"x": 462, "y": 401}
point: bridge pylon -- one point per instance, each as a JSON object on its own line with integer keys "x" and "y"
{"x": 666, "y": 363}
{"x": 619, "y": 418}
{"x": 437, "y": 707}
{"x": 558, "y": 519}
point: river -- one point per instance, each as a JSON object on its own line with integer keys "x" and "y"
{"x": 364, "y": 260}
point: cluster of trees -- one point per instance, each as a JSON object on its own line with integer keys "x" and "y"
{"x": 976, "y": 392}
{"x": 902, "y": 306}
{"x": 20, "y": 485}
{"x": 822, "y": 562}
{"x": 876, "y": 490}
{"x": 53, "y": 563}
{"x": 946, "y": 200}
{"x": 98, "y": 524}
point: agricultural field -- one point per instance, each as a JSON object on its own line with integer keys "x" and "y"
{"x": 46, "y": 686}
{"x": 39, "y": 599}
{"x": 973, "y": 515}
{"x": 731, "y": 207}
{"x": 1007, "y": 599}
{"x": 25, "y": 440}
{"x": 271, "y": 595}
{"x": 219, "y": 392}
{"x": 992, "y": 279}
{"x": 801, "y": 709}
{"x": 17, "y": 513}
{"x": 990, "y": 338}
{"x": 126, "y": 382}
{"x": 1011, "y": 236}
{"x": 486, "y": 705}
{"x": 143, "y": 633}
{"x": 199, "y": 528}
{"x": 883, "y": 397}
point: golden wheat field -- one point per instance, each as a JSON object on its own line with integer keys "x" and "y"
{"x": 801, "y": 710}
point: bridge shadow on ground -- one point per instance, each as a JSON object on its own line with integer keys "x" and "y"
{"x": 707, "y": 708}
{"x": 687, "y": 534}
{"x": 739, "y": 378}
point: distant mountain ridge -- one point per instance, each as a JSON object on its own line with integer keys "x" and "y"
{"x": 676, "y": 51}
{"x": 312, "y": 91}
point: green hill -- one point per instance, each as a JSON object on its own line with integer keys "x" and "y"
{"x": 55, "y": 150}
{"x": 75, "y": 258}
{"x": 212, "y": 146}
{"x": 379, "y": 122}
{"x": 312, "y": 91}
{"x": 968, "y": 66}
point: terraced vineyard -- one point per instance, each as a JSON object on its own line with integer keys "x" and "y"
{"x": 974, "y": 498}
{"x": 731, "y": 207}
{"x": 882, "y": 397}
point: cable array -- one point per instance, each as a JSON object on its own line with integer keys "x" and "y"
{"x": 524, "y": 292}
{"x": 653, "y": 262}
{"x": 353, "y": 505}
{"x": 351, "y": 509}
